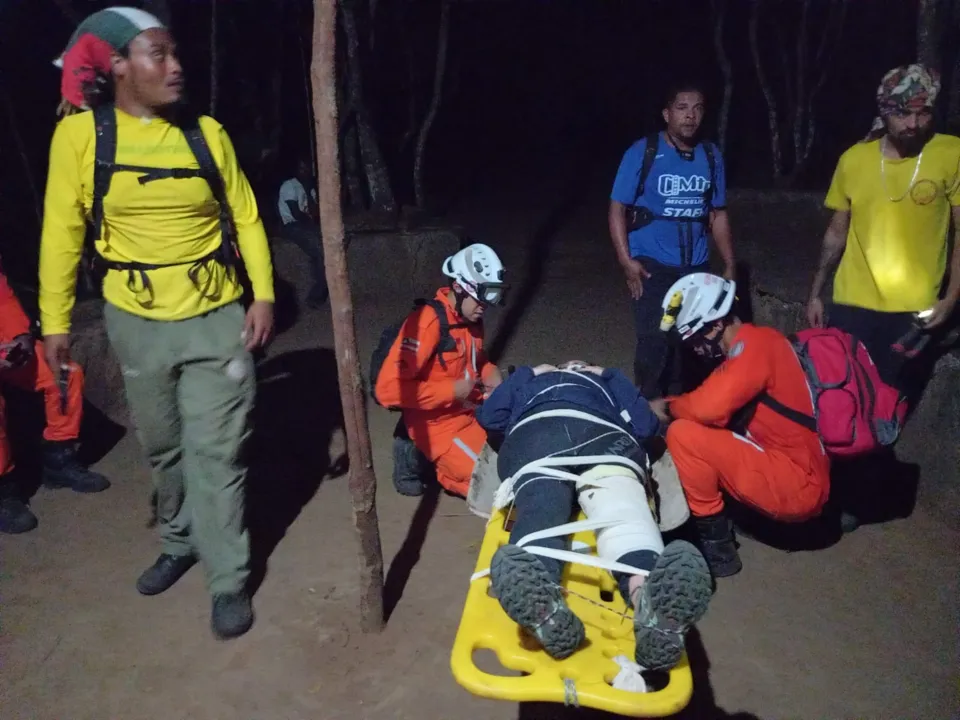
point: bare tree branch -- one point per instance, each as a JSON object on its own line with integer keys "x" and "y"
{"x": 829, "y": 43}
{"x": 773, "y": 119}
{"x": 378, "y": 179}
{"x": 800, "y": 104}
{"x": 440, "y": 70}
{"x": 719, "y": 11}
{"x": 786, "y": 68}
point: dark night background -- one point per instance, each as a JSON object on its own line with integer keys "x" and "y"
{"x": 530, "y": 85}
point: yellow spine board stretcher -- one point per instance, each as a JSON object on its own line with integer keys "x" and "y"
{"x": 585, "y": 677}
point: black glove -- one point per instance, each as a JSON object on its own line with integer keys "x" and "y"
{"x": 19, "y": 352}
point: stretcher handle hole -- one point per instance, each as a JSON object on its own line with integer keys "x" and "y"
{"x": 487, "y": 661}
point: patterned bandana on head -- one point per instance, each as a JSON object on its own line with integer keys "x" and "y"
{"x": 88, "y": 52}
{"x": 908, "y": 87}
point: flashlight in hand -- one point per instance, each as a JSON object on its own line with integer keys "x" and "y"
{"x": 62, "y": 381}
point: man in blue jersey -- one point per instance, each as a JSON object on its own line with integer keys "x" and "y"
{"x": 669, "y": 197}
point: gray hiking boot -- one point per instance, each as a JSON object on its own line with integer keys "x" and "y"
{"x": 530, "y": 597}
{"x": 672, "y": 599}
{"x": 164, "y": 573}
{"x": 232, "y": 615}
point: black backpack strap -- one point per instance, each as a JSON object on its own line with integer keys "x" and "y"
{"x": 710, "y": 152}
{"x": 802, "y": 419}
{"x": 441, "y": 312}
{"x": 211, "y": 173}
{"x": 208, "y": 166}
{"x": 443, "y": 345}
{"x": 105, "y": 155}
{"x": 649, "y": 155}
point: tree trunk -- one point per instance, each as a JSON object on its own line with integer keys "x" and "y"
{"x": 773, "y": 119}
{"x": 351, "y": 165}
{"x": 438, "y": 74}
{"x": 800, "y": 108}
{"x": 311, "y": 119}
{"x": 378, "y": 179}
{"x": 362, "y": 482}
{"x": 930, "y": 21}
{"x": 214, "y": 59}
{"x": 406, "y": 44}
{"x": 829, "y": 42}
{"x": 350, "y": 157}
{"x": 719, "y": 8}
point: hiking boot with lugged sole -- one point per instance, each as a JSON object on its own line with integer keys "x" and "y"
{"x": 719, "y": 545}
{"x": 672, "y": 599}
{"x": 62, "y": 469}
{"x": 530, "y": 597}
{"x": 409, "y": 466}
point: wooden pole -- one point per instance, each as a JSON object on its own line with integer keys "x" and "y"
{"x": 362, "y": 481}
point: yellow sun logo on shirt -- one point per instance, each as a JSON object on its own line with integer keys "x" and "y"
{"x": 924, "y": 192}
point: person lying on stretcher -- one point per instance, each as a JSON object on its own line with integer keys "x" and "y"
{"x": 597, "y": 419}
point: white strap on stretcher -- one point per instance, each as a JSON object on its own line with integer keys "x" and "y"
{"x": 549, "y": 467}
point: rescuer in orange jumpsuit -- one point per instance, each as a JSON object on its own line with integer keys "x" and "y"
{"x": 437, "y": 387}
{"x": 720, "y": 438}
{"x": 23, "y": 365}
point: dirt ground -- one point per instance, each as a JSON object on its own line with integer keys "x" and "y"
{"x": 865, "y": 628}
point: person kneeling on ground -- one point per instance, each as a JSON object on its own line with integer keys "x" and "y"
{"x": 726, "y": 434}
{"x": 23, "y": 365}
{"x": 436, "y": 373}
{"x": 580, "y": 411}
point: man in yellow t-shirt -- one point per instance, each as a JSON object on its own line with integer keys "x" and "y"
{"x": 173, "y": 296}
{"x": 893, "y": 196}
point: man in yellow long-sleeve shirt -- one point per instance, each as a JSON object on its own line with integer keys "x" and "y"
{"x": 173, "y": 309}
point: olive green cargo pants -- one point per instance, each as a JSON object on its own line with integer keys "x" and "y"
{"x": 190, "y": 386}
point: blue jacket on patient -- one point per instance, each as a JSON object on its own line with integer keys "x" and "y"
{"x": 611, "y": 397}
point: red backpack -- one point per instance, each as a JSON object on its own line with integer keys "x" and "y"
{"x": 855, "y": 412}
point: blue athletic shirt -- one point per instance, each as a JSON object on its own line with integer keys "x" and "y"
{"x": 674, "y": 189}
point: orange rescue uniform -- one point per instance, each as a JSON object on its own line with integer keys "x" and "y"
{"x": 778, "y": 468}
{"x": 412, "y": 379}
{"x": 36, "y": 376}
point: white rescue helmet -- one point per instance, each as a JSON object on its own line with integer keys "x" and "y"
{"x": 479, "y": 272}
{"x": 696, "y": 300}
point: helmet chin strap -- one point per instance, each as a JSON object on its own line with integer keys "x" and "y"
{"x": 713, "y": 347}
{"x": 460, "y": 296}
